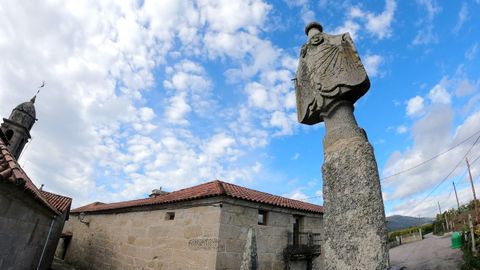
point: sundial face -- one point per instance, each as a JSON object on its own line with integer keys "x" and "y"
{"x": 329, "y": 70}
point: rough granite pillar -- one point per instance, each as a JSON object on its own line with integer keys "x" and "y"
{"x": 330, "y": 78}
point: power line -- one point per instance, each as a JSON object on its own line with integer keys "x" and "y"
{"x": 430, "y": 159}
{"x": 450, "y": 173}
{"x": 426, "y": 161}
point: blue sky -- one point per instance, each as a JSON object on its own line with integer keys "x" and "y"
{"x": 142, "y": 94}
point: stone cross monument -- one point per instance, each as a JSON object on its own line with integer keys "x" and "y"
{"x": 330, "y": 79}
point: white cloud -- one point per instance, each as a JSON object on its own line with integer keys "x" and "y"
{"x": 258, "y": 96}
{"x": 348, "y": 26}
{"x": 415, "y": 106}
{"x": 465, "y": 87}
{"x": 378, "y": 25}
{"x": 431, "y": 6}
{"x": 438, "y": 94}
{"x": 101, "y": 62}
{"x": 297, "y": 194}
{"x": 432, "y": 134}
{"x": 462, "y": 17}
{"x": 306, "y": 12}
{"x": 282, "y": 121}
{"x": 178, "y": 108}
{"x": 401, "y": 129}
{"x": 372, "y": 64}
{"x": 426, "y": 34}
{"x": 471, "y": 53}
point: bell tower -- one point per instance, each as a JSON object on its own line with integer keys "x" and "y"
{"x": 17, "y": 127}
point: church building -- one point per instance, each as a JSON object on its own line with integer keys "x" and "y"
{"x": 31, "y": 219}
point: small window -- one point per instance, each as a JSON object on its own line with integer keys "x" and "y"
{"x": 170, "y": 216}
{"x": 9, "y": 134}
{"x": 262, "y": 217}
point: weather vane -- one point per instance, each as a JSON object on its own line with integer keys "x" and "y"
{"x": 40, "y": 87}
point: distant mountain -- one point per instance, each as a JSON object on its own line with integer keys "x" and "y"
{"x": 398, "y": 222}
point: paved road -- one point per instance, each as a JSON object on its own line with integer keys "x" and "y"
{"x": 432, "y": 253}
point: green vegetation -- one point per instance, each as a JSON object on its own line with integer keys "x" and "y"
{"x": 459, "y": 219}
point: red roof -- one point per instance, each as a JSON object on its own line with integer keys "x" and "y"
{"x": 61, "y": 203}
{"x": 11, "y": 172}
{"x": 211, "y": 189}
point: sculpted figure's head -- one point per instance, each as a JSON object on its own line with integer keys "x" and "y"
{"x": 313, "y": 28}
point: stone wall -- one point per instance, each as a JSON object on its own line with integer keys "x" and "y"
{"x": 24, "y": 226}
{"x": 53, "y": 240}
{"x": 205, "y": 234}
{"x": 271, "y": 239}
{"x": 412, "y": 237}
{"x": 146, "y": 239}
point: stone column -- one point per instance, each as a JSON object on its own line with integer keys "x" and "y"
{"x": 330, "y": 78}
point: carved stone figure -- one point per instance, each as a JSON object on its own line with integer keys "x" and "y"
{"x": 329, "y": 70}
{"x": 330, "y": 78}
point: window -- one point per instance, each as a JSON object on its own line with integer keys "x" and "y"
{"x": 262, "y": 217}
{"x": 170, "y": 216}
{"x": 9, "y": 134}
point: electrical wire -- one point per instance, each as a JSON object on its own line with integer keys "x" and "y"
{"x": 425, "y": 161}
{"x": 450, "y": 173}
{"x": 430, "y": 159}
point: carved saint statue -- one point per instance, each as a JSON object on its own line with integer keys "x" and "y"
{"x": 329, "y": 72}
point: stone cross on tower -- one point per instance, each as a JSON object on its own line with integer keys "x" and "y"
{"x": 330, "y": 79}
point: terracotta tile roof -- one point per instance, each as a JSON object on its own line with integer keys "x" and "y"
{"x": 61, "y": 203}
{"x": 12, "y": 173}
{"x": 210, "y": 189}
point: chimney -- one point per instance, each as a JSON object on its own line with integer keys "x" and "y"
{"x": 157, "y": 192}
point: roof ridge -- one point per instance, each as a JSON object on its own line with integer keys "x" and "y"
{"x": 220, "y": 187}
{"x": 205, "y": 190}
{"x": 269, "y": 194}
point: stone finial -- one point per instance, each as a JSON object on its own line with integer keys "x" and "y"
{"x": 329, "y": 71}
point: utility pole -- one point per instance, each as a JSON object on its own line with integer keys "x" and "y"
{"x": 473, "y": 190}
{"x": 456, "y": 196}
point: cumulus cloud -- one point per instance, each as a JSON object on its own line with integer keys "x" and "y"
{"x": 415, "y": 106}
{"x": 377, "y": 25}
{"x": 438, "y": 94}
{"x": 380, "y": 25}
{"x": 372, "y": 64}
{"x": 432, "y": 134}
{"x": 105, "y": 140}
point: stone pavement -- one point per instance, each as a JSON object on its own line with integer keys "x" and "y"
{"x": 432, "y": 253}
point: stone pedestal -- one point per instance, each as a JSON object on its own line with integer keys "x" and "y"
{"x": 354, "y": 219}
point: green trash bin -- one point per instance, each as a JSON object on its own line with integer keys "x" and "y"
{"x": 456, "y": 240}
